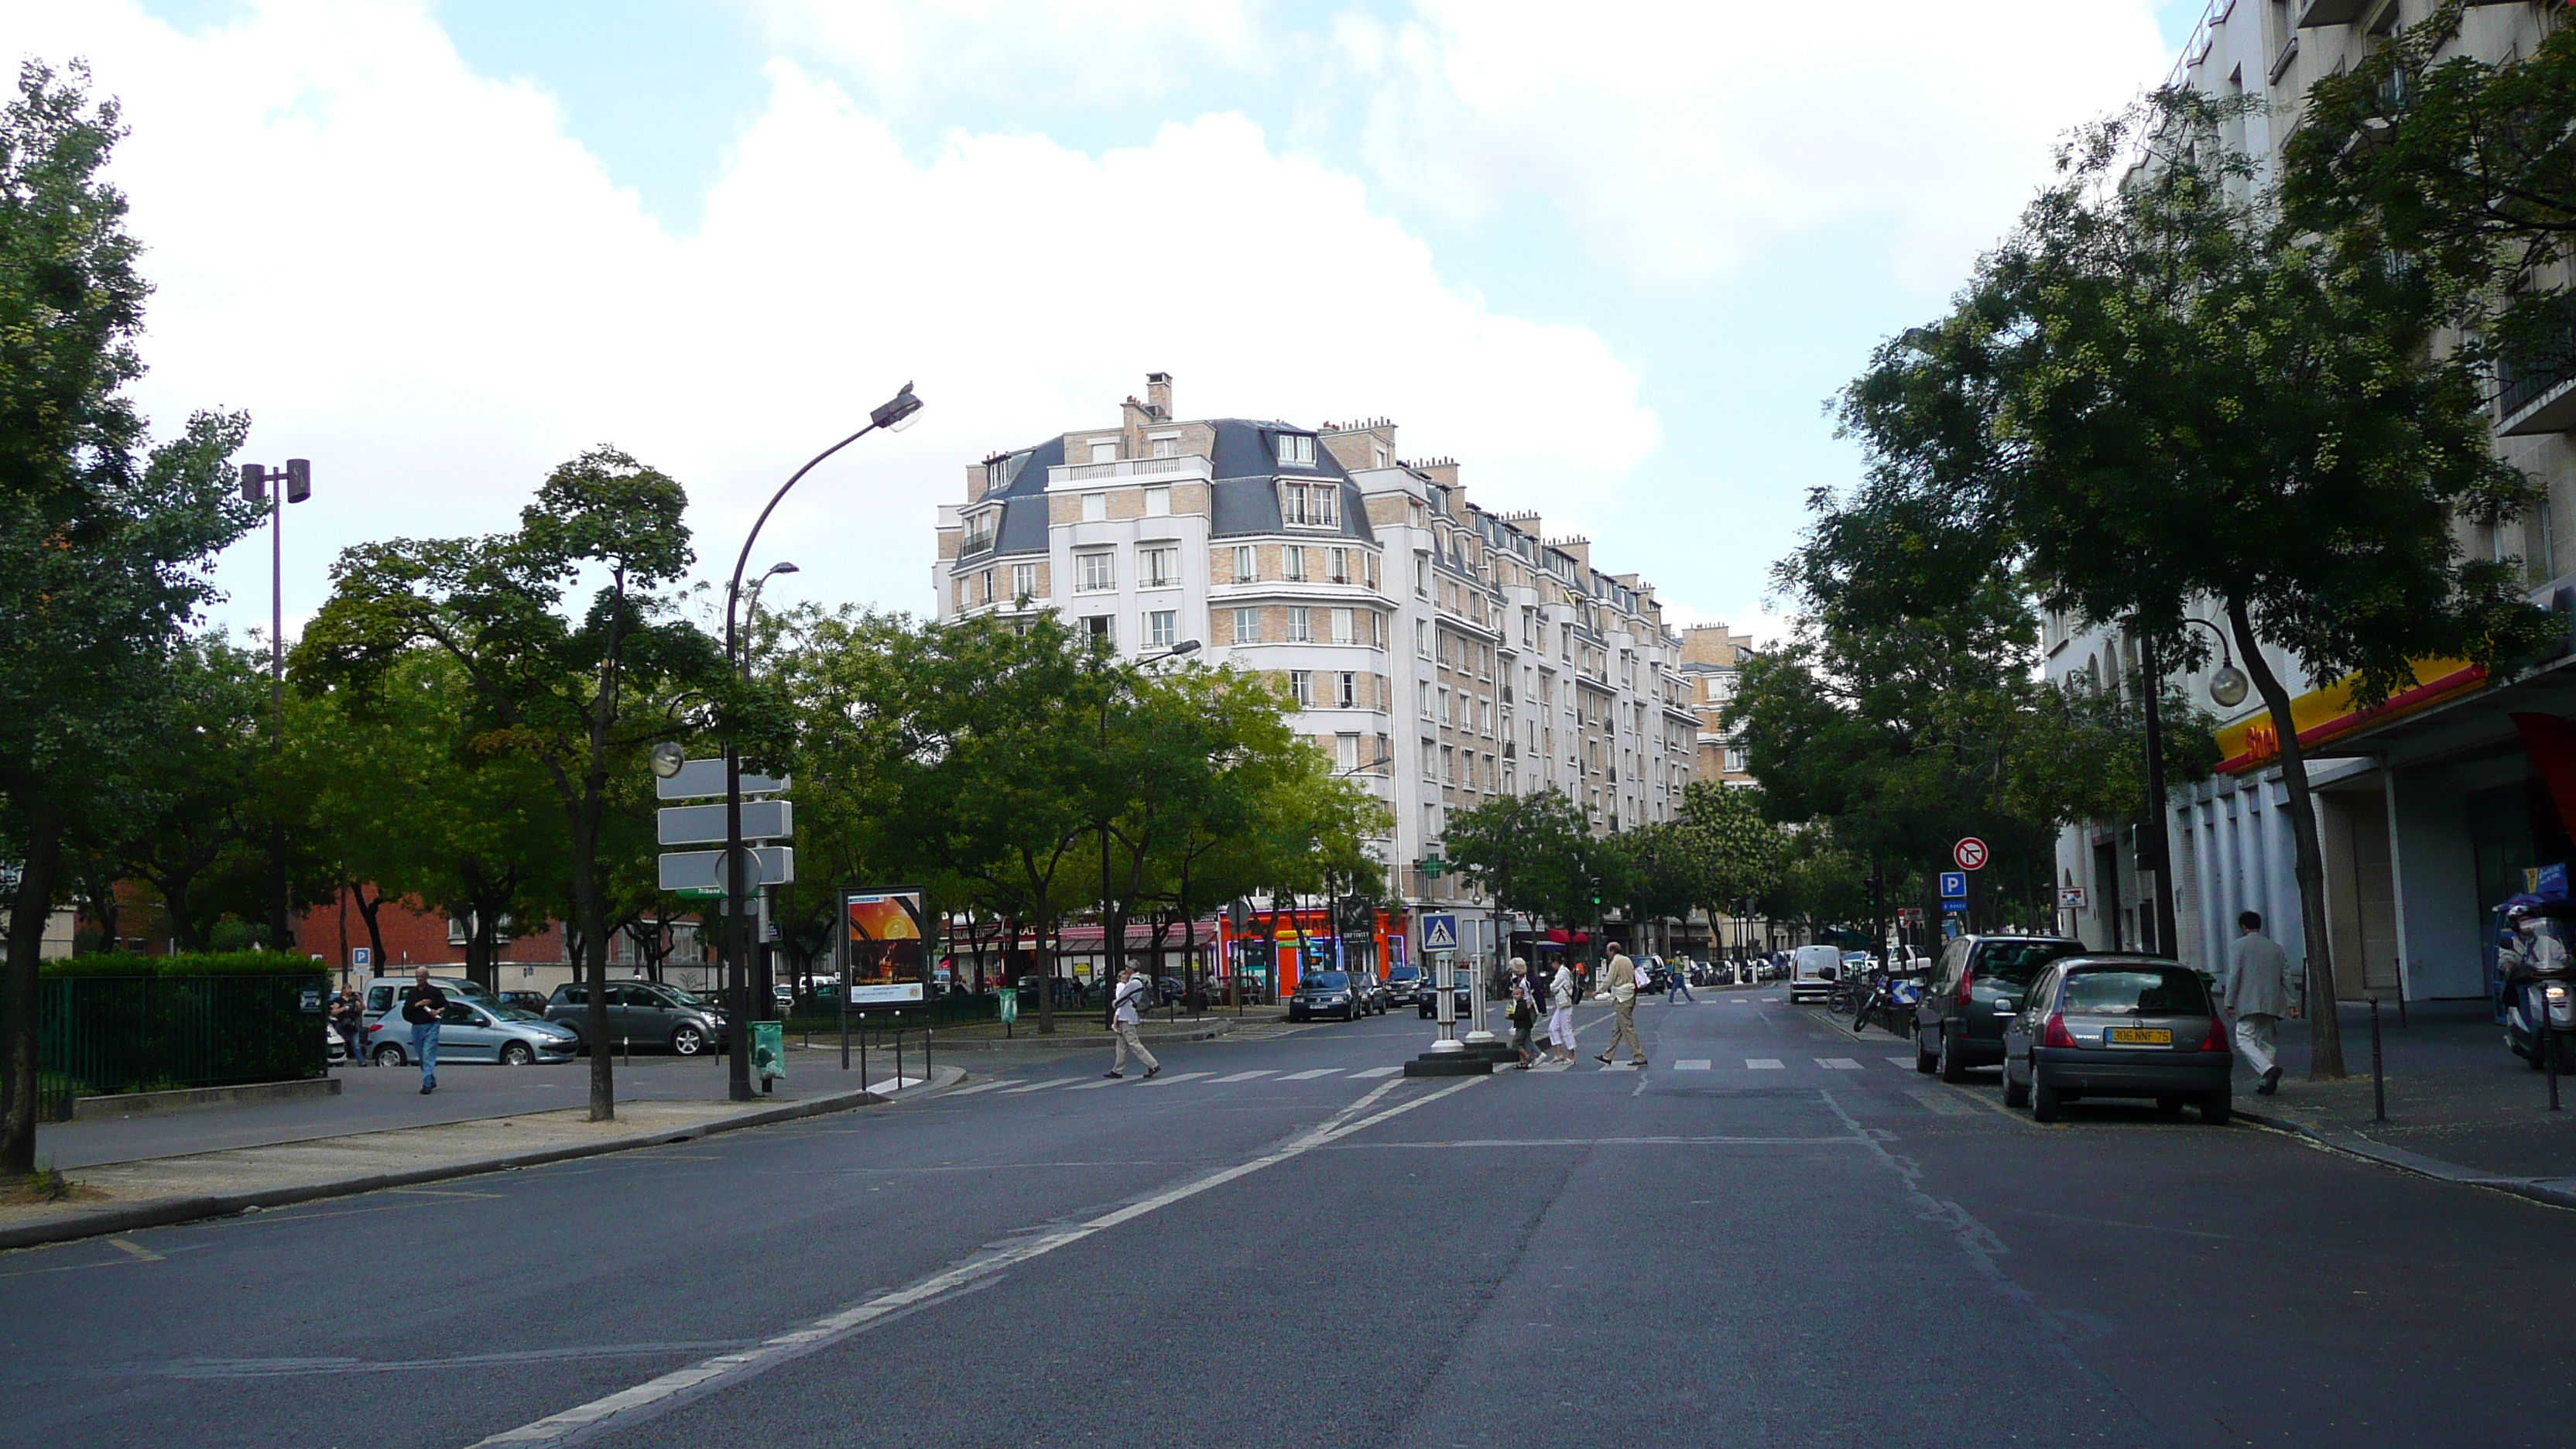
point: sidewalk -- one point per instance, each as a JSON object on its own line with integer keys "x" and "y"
{"x": 2460, "y": 1106}
{"x": 150, "y": 1191}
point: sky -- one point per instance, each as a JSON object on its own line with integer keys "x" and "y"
{"x": 1615, "y": 260}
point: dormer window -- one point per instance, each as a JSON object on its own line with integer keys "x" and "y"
{"x": 1296, "y": 450}
{"x": 979, "y": 531}
{"x": 1310, "y": 505}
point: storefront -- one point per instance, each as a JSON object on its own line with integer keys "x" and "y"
{"x": 1274, "y": 949}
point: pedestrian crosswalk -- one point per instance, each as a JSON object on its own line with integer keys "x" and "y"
{"x": 1273, "y": 1076}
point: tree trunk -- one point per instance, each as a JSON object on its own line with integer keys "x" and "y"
{"x": 29, "y": 911}
{"x": 593, "y": 970}
{"x": 2325, "y": 1026}
{"x": 367, "y": 910}
{"x": 1046, "y": 980}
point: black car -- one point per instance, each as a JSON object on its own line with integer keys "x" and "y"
{"x": 1404, "y": 984}
{"x": 1960, "y": 1016}
{"x": 535, "y": 1001}
{"x": 2125, "y": 1025}
{"x": 1327, "y": 993}
{"x": 1427, "y": 1000}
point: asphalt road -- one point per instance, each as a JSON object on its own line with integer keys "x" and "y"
{"x": 1265, "y": 1248}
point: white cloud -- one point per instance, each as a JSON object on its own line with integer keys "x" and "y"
{"x": 410, "y": 274}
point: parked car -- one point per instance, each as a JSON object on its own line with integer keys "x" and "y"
{"x": 476, "y": 1031}
{"x": 525, "y": 1000}
{"x": 2119, "y": 1026}
{"x": 1973, "y": 995}
{"x": 384, "y": 993}
{"x": 1427, "y": 1000}
{"x": 1373, "y": 991}
{"x": 335, "y": 1047}
{"x": 644, "y": 1013}
{"x": 1404, "y": 983}
{"x": 1326, "y": 993}
{"x": 1813, "y": 971}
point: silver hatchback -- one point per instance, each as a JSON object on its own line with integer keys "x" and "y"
{"x": 473, "y": 1031}
{"x": 2119, "y": 1026}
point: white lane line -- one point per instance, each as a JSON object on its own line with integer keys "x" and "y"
{"x": 603, "y": 1416}
{"x": 1764, "y": 1064}
{"x": 1377, "y": 1072}
{"x": 1161, "y": 1081}
{"x": 1695, "y": 1064}
{"x": 1905, "y": 1062}
{"x": 1040, "y": 1086}
{"x": 1838, "y": 1064}
{"x": 1248, "y": 1076}
{"x": 985, "y": 1087}
{"x": 896, "y": 1084}
{"x": 1309, "y": 1076}
{"x": 1096, "y": 1084}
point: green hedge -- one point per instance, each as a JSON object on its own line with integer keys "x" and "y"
{"x": 185, "y": 963}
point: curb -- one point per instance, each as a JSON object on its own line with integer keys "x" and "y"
{"x": 194, "y": 1099}
{"x": 2544, "y": 1191}
{"x": 162, "y": 1212}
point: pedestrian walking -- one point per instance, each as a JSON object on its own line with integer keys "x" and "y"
{"x": 1619, "y": 987}
{"x": 1524, "y": 1014}
{"x": 2258, "y": 973}
{"x": 348, "y": 1019}
{"x": 1679, "y": 987}
{"x": 1123, "y": 1016}
{"x": 423, "y": 1006}
{"x": 1562, "y": 992}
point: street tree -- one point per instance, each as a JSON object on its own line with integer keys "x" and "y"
{"x": 1732, "y": 847}
{"x": 105, "y": 536}
{"x": 578, "y": 688}
{"x": 2155, "y": 394}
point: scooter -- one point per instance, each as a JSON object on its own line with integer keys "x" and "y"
{"x": 2540, "y": 990}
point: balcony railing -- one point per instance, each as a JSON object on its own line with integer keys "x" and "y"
{"x": 1188, "y": 465}
{"x": 2537, "y": 397}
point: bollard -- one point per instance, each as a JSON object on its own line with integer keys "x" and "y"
{"x": 898, "y": 1059}
{"x": 2378, "y": 1076}
{"x": 863, "y": 1051}
{"x": 2547, "y": 1046}
{"x": 925, "y": 1053}
{"x": 626, "y": 1049}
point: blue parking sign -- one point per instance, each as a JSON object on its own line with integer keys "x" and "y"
{"x": 1954, "y": 885}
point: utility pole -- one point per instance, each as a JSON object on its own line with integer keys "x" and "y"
{"x": 277, "y": 487}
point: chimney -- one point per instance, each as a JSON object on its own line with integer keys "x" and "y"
{"x": 1158, "y": 394}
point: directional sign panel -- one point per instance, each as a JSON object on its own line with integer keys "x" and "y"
{"x": 700, "y": 778}
{"x": 705, "y": 824}
{"x": 1954, "y": 884}
{"x": 1969, "y": 853}
{"x": 1439, "y": 933}
{"x": 701, "y": 872}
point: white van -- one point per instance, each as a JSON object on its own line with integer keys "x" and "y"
{"x": 1812, "y": 970}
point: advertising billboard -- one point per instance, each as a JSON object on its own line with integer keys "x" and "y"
{"x": 884, "y": 953}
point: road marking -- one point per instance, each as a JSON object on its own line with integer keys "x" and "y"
{"x": 1941, "y": 1102}
{"x": 984, "y": 1087}
{"x": 1838, "y": 1064}
{"x": 453, "y": 1192}
{"x": 1308, "y": 1076}
{"x": 1094, "y": 1086}
{"x": 1764, "y": 1064}
{"x": 1836, "y": 1139}
{"x": 1377, "y": 1072}
{"x": 1039, "y": 1086}
{"x": 897, "y": 1084}
{"x": 621, "y": 1410}
{"x": 1167, "y": 1081}
{"x": 1695, "y": 1064}
{"x": 143, "y": 1254}
{"x": 1905, "y": 1062}
{"x": 1248, "y": 1076}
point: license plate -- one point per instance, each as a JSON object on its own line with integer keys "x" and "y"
{"x": 2138, "y": 1036}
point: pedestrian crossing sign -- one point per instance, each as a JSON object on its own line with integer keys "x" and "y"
{"x": 1439, "y": 933}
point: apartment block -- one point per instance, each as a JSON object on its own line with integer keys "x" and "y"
{"x": 1711, "y": 655}
{"x": 1442, "y": 652}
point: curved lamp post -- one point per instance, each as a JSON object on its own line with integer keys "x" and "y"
{"x": 893, "y": 415}
{"x": 2227, "y": 689}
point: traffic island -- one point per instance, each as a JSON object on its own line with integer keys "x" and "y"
{"x": 1449, "y": 1064}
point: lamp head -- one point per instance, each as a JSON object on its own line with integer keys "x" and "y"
{"x": 897, "y": 412}
{"x": 667, "y": 758}
{"x": 1186, "y": 646}
{"x": 2228, "y": 687}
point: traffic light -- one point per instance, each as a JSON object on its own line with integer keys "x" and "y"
{"x": 1596, "y": 892}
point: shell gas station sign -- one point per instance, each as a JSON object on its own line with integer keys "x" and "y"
{"x": 2324, "y": 715}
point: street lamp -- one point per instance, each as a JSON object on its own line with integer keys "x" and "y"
{"x": 277, "y": 487}
{"x": 894, "y": 415}
{"x": 2227, "y": 689}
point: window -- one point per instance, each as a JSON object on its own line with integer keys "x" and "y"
{"x": 1423, "y": 690}
{"x": 1369, "y": 561}
{"x": 1162, "y": 629}
{"x": 1444, "y": 706}
{"x": 979, "y": 531}
{"x": 1346, "y": 752}
{"x": 1342, "y": 626}
{"x": 1349, "y": 694}
{"x": 1339, "y": 560}
{"x": 997, "y": 474}
{"x": 985, "y": 584}
{"x": 1422, "y": 637}
{"x": 1166, "y": 448}
{"x": 1301, "y": 684}
{"x": 1095, "y": 571}
{"x": 1422, "y": 575}
{"x": 1301, "y": 626}
{"x": 1316, "y": 505}
{"x": 1095, "y": 507}
{"x": 1735, "y": 762}
{"x": 1104, "y": 450}
{"x": 1158, "y": 566}
{"x": 1296, "y": 450}
{"x": 1158, "y": 502}
{"x": 1101, "y": 627}
{"x": 1247, "y": 564}
{"x": 1448, "y": 765}
{"x": 1295, "y": 561}
{"x": 1377, "y": 629}
{"x": 1024, "y": 581}
{"x": 1247, "y": 626}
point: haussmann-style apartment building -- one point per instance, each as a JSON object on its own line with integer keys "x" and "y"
{"x": 1442, "y": 653}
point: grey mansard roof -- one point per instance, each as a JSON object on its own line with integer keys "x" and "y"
{"x": 1244, "y": 501}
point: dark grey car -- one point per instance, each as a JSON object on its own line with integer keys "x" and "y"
{"x": 1959, "y": 1019}
{"x": 2119, "y": 1026}
{"x": 645, "y": 1014}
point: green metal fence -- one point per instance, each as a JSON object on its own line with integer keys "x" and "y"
{"x": 101, "y": 1035}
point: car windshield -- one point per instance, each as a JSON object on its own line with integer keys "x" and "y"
{"x": 1328, "y": 981}
{"x": 2017, "y": 963}
{"x": 508, "y": 1012}
{"x": 2135, "y": 991}
{"x": 1404, "y": 973}
{"x": 685, "y": 998}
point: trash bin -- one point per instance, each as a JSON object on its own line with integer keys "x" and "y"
{"x": 768, "y": 1051}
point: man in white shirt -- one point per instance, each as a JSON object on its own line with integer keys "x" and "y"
{"x": 1123, "y": 1016}
{"x": 2258, "y": 973}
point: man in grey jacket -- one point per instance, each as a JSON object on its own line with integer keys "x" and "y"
{"x": 1619, "y": 984}
{"x": 2258, "y": 973}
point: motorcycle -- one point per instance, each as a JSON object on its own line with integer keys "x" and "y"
{"x": 2539, "y": 1003}
{"x": 1890, "y": 1001}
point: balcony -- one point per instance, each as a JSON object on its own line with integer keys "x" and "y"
{"x": 2330, "y": 12}
{"x": 2540, "y": 398}
{"x": 1160, "y": 470}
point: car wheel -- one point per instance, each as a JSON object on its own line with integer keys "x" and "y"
{"x": 2216, "y": 1108}
{"x": 1925, "y": 1061}
{"x": 2016, "y": 1094}
{"x": 2044, "y": 1099}
{"x": 2169, "y": 1108}
{"x": 688, "y": 1041}
{"x": 516, "y": 1054}
{"x": 389, "y": 1055}
{"x": 1952, "y": 1069}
